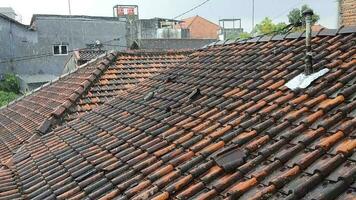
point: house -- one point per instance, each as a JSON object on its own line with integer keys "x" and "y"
{"x": 160, "y": 33}
{"x": 317, "y": 27}
{"x": 159, "y": 28}
{"x": 44, "y": 47}
{"x": 9, "y": 12}
{"x": 219, "y": 124}
{"x": 81, "y": 90}
{"x": 347, "y": 12}
{"x": 200, "y": 28}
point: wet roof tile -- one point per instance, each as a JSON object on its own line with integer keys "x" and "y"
{"x": 278, "y": 143}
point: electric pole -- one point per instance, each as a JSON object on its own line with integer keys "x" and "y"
{"x": 70, "y": 12}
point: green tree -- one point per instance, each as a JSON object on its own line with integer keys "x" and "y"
{"x": 234, "y": 36}
{"x": 7, "y": 97}
{"x": 268, "y": 27}
{"x": 10, "y": 83}
{"x": 245, "y": 35}
{"x": 296, "y": 16}
{"x": 9, "y": 89}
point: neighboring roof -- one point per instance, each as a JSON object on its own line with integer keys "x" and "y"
{"x": 13, "y": 21}
{"x": 32, "y": 115}
{"x": 220, "y": 125}
{"x": 186, "y": 23}
{"x": 166, "y": 44}
{"x": 200, "y": 28}
{"x": 91, "y": 85}
{"x": 86, "y": 55}
{"x": 130, "y": 69}
{"x": 72, "y": 17}
{"x": 6, "y": 10}
{"x": 317, "y": 27}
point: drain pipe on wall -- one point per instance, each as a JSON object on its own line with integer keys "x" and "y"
{"x": 308, "y": 34}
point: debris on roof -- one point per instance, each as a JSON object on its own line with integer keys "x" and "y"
{"x": 149, "y": 96}
{"x": 195, "y": 94}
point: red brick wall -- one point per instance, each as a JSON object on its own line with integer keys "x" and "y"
{"x": 348, "y": 12}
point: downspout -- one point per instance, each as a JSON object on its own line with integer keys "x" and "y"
{"x": 12, "y": 45}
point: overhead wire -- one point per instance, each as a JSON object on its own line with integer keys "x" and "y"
{"x": 190, "y": 10}
{"x": 287, "y": 10}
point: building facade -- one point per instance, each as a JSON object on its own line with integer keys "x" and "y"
{"x": 200, "y": 28}
{"x": 347, "y": 12}
{"x": 39, "y": 52}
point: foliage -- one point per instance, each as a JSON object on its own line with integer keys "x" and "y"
{"x": 10, "y": 83}
{"x": 6, "y": 97}
{"x": 245, "y": 35}
{"x": 234, "y": 36}
{"x": 296, "y": 16}
{"x": 268, "y": 27}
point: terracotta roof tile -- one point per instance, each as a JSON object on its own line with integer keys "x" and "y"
{"x": 278, "y": 143}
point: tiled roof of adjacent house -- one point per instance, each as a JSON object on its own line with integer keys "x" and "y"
{"x": 34, "y": 113}
{"x": 220, "y": 125}
{"x": 129, "y": 69}
{"x": 85, "y": 55}
{"x": 86, "y": 88}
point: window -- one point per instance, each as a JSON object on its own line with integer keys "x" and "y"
{"x": 60, "y": 49}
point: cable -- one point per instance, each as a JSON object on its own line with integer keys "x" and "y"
{"x": 284, "y": 12}
{"x": 190, "y": 10}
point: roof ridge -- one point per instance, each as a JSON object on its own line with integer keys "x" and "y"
{"x": 289, "y": 35}
{"x": 160, "y": 52}
{"x": 58, "y": 113}
{"x": 52, "y": 81}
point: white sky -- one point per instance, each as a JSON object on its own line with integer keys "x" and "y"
{"x": 213, "y": 10}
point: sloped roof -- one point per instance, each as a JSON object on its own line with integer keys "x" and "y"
{"x": 14, "y": 21}
{"x": 219, "y": 125}
{"x": 200, "y": 28}
{"x": 91, "y": 85}
{"x": 85, "y": 55}
{"x": 130, "y": 69}
{"x": 186, "y": 23}
{"x": 32, "y": 115}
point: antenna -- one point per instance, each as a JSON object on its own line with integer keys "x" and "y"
{"x": 70, "y": 11}
{"x": 253, "y": 14}
{"x": 308, "y": 34}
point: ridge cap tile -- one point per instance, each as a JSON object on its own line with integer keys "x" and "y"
{"x": 347, "y": 29}
{"x": 328, "y": 32}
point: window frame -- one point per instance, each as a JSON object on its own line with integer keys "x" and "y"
{"x": 60, "y": 46}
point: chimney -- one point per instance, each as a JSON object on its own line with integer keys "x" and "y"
{"x": 307, "y": 14}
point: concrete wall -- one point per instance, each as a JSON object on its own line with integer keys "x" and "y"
{"x": 16, "y": 40}
{"x": 76, "y": 31}
{"x": 348, "y": 12}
